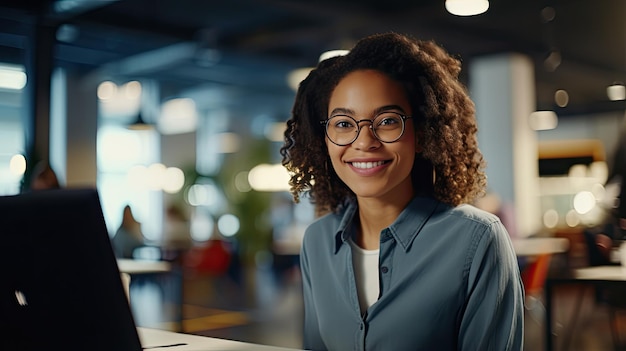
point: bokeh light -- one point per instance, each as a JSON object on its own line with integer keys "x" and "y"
{"x": 584, "y": 202}
{"x": 228, "y": 225}
{"x": 17, "y": 165}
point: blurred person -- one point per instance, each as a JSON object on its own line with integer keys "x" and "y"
{"x": 617, "y": 214}
{"x": 128, "y": 236}
{"x": 44, "y": 177}
{"x": 176, "y": 233}
{"x": 383, "y": 141}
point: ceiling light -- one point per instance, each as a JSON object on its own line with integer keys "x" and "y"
{"x": 17, "y": 165}
{"x": 553, "y": 61}
{"x": 269, "y": 177}
{"x": 616, "y": 92}
{"x": 543, "y": 120}
{"x": 332, "y": 53}
{"x": 12, "y": 77}
{"x": 106, "y": 90}
{"x": 140, "y": 124}
{"x": 548, "y": 14}
{"x": 178, "y": 116}
{"x": 467, "y": 7}
{"x": 561, "y": 98}
{"x": 296, "y": 76}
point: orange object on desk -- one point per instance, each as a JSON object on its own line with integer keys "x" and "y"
{"x": 535, "y": 274}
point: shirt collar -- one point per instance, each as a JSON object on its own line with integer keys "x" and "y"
{"x": 404, "y": 229}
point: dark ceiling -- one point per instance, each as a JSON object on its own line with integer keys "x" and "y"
{"x": 250, "y": 45}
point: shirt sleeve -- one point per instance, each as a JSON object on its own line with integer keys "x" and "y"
{"x": 312, "y": 339}
{"x": 494, "y": 315}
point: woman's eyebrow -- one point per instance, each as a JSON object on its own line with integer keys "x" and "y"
{"x": 342, "y": 111}
{"x": 377, "y": 111}
{"x": 388, "y": 108}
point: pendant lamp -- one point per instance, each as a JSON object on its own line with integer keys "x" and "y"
{"x": 140, "y": 124}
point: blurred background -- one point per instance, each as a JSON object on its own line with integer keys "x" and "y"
{"x": 176, "y": 108}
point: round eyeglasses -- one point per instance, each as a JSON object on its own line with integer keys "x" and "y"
{"x": 387, "y": 127}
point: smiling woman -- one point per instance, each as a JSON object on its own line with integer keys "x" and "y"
{"x": 383, "y": 140}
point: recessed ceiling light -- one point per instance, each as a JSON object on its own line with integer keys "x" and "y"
{"x": 616, "y": 92}
{"x": 467, "y": 7}
{"x": 561, "y": 98}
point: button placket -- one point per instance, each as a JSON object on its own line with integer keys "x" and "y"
{"x": 387, "y": 243}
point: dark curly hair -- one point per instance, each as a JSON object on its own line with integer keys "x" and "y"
{"x": 443, "y": 113}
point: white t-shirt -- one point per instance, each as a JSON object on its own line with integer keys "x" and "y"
{"x": 365, "y": 264}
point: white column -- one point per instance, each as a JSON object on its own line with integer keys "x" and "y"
{"x": 503, "y": 89}
{"x": 74, "y": 126}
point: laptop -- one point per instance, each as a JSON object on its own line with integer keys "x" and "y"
{"x": 59, "y": 281}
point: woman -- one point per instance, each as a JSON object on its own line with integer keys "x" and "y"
{"x": 383, "y": 140}
{"x": 128, "y": 236}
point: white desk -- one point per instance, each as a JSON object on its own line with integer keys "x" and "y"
{"x": 601, "y": 273}
{"x": 165, "y": 340}
{"x": 540, "y": 246}
{"x": 157, "y": 272}
{"x": 142, "y": 266}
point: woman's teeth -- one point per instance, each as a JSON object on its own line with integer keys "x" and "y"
{"x": 364, "y": 165}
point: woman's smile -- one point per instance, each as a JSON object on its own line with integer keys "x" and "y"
{"x": 368, "y": 164}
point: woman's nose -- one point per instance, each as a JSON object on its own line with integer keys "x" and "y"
{"x": 366, "y": 138}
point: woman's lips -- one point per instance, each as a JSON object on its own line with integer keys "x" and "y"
{"x": 367, "y": 165}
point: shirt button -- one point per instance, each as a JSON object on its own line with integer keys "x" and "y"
{"x": 384, "y": 269}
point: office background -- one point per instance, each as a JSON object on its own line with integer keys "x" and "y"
{"x": 214, "y": 83}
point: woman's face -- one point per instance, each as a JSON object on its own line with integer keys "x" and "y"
{"x": 369, "y": 167}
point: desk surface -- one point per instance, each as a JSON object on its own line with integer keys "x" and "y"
{"x": 539, "y": 246}
{"x": 589, "y": 275}
{"x": 171, "y": 341}
{"x": 608, "y": 273}
{"x": 142, "y": 266}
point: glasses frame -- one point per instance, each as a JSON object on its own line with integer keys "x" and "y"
{"x": 371, "y": 127}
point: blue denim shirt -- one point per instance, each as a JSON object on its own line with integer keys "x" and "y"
{"x": 449, "y": 280}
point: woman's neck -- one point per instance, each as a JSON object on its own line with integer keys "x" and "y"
{"x": 374, "y": 216}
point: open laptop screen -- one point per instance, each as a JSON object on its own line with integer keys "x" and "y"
{"x": 61, "y": 288}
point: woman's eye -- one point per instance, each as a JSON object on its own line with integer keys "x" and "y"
{"x": 344, "y": 124}
{"x": 388, "y": 120}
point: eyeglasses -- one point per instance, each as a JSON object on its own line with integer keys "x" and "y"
{"x": 387, "y": 127}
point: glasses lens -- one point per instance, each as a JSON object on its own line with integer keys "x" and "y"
{"x": 388, "y": 126}
{"x": 341, "y": 129}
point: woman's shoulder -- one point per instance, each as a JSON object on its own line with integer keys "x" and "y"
{"x": 481, "y": 223}
{"x": 472, "y": 213}
{"x": 323, "y": 230}
{"x": 326, "y": 223}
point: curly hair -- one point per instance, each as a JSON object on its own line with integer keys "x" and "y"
{"x": 443, "y": 113}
